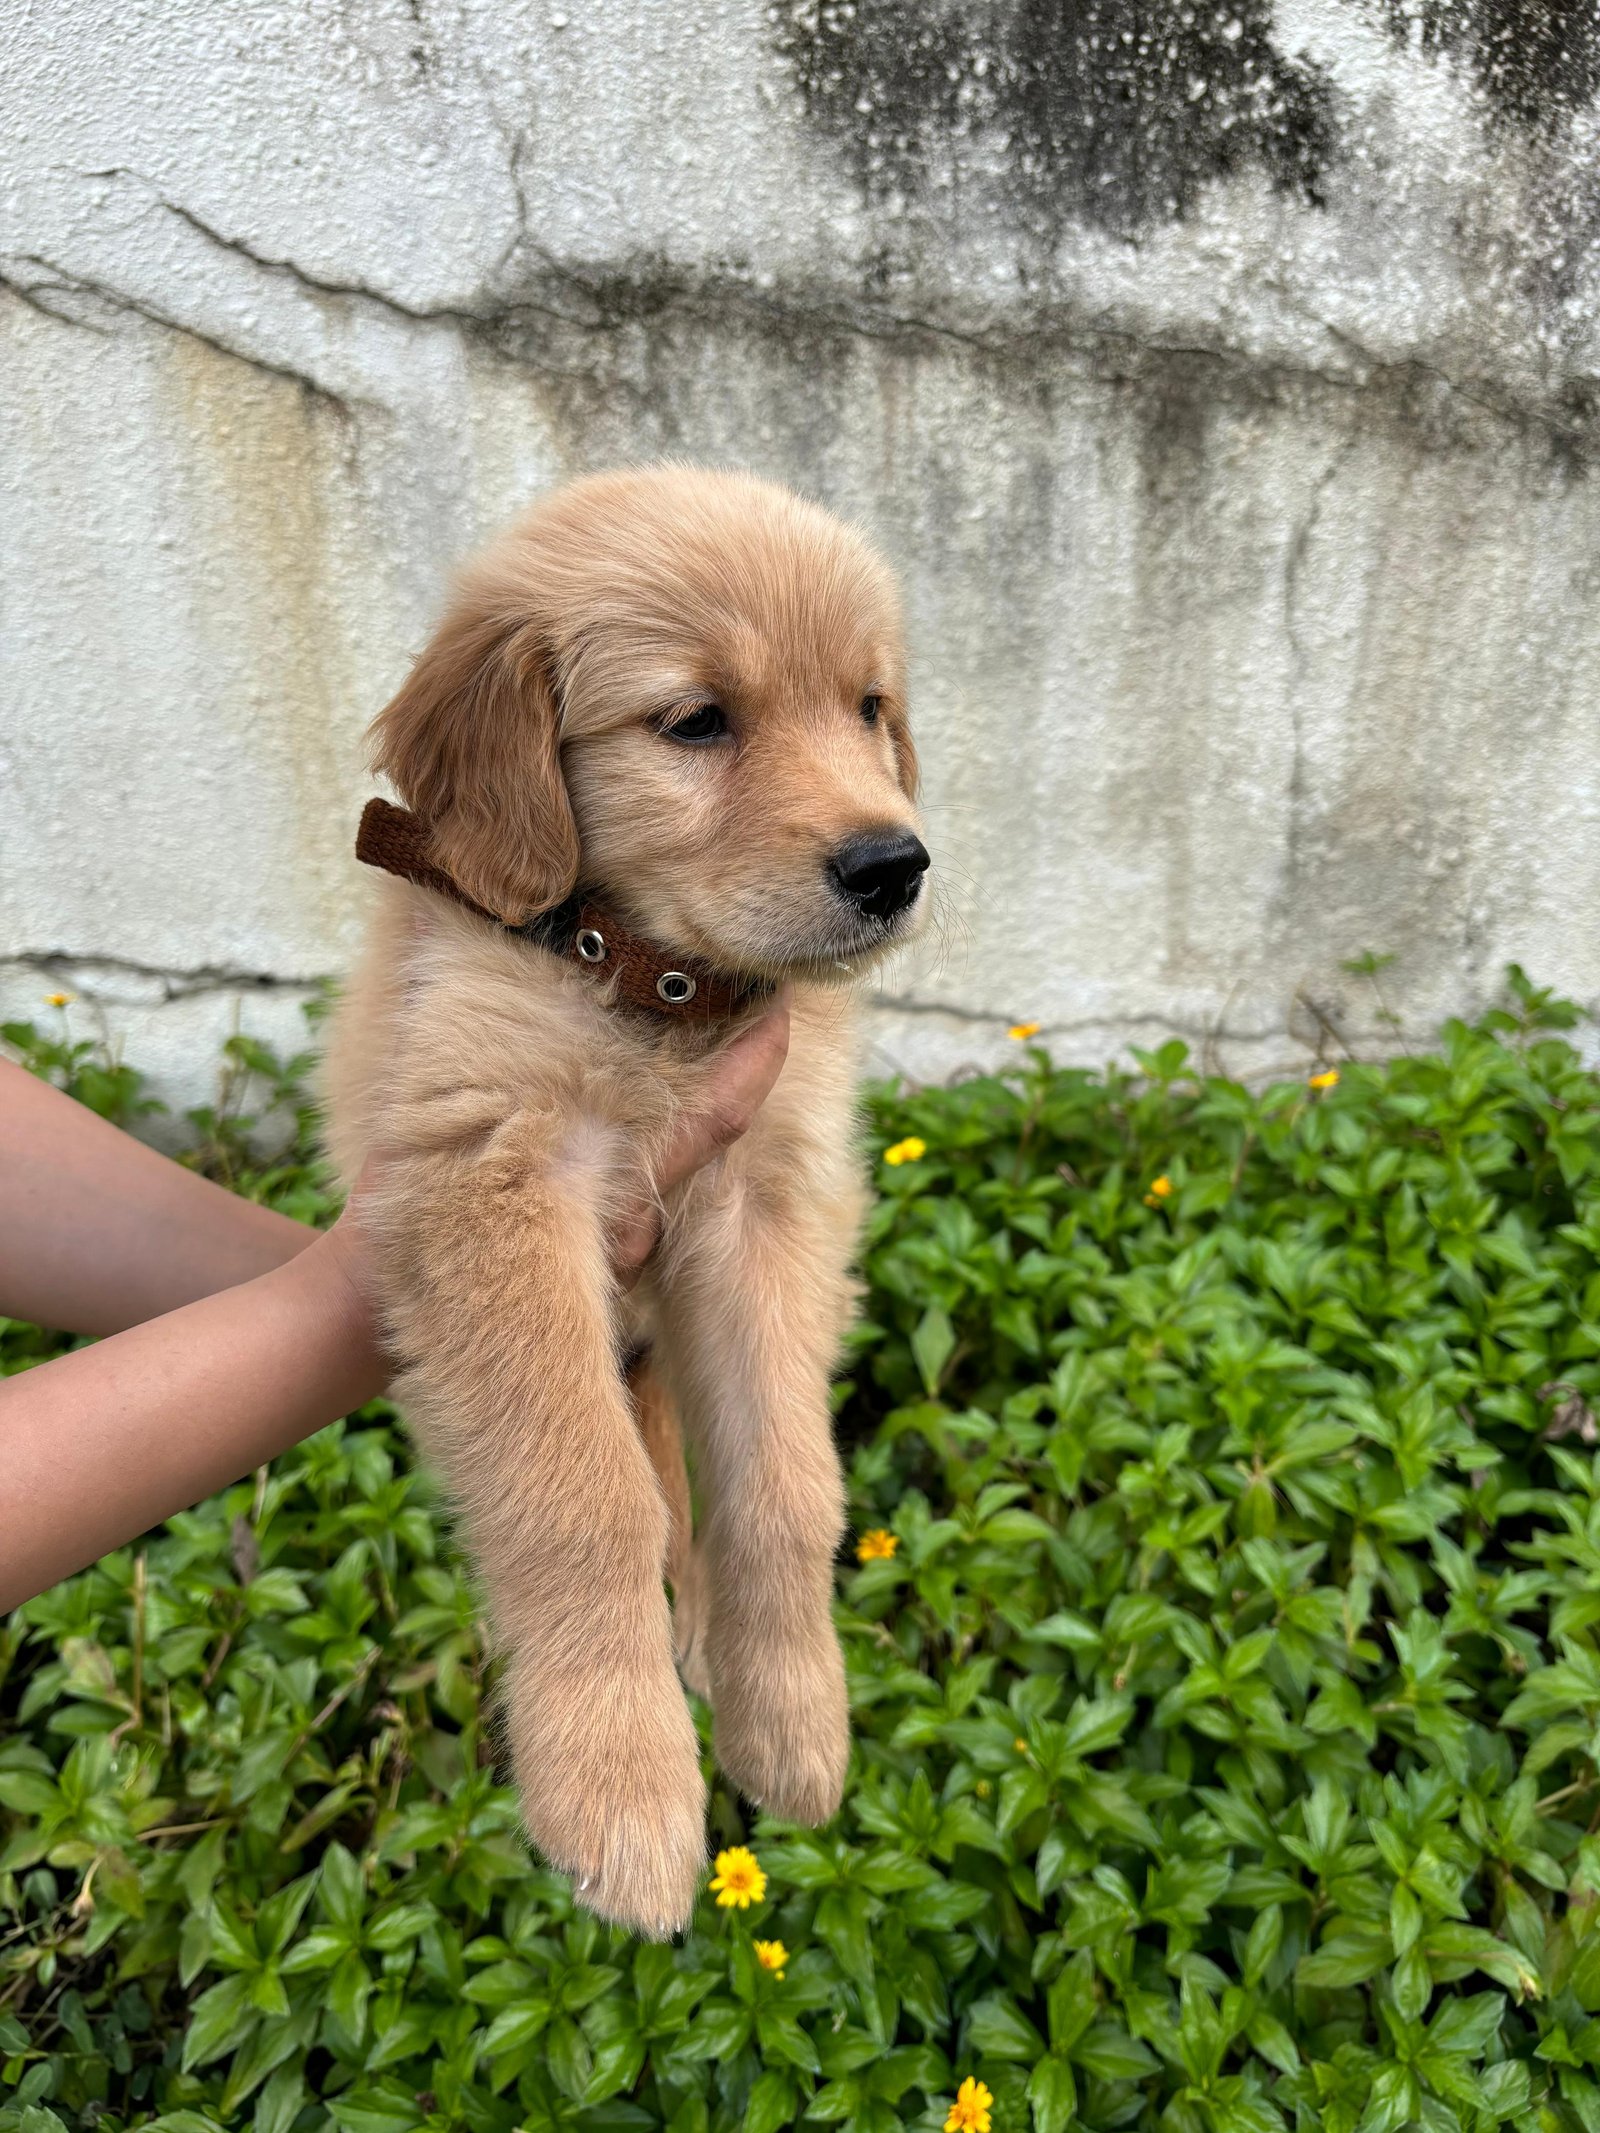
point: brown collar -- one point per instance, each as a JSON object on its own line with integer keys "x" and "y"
{"x": 683, "y": 986}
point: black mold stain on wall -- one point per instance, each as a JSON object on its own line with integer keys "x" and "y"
{"x": 1536, "y": 61}
{"x": 1111, "y": 112}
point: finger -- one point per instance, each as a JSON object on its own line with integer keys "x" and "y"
{"x": 632, "y": 1243}
{"x": 355, "y": 1204}
{"x": 741, "y": 1081}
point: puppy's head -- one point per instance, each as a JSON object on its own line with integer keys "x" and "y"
{"x": 685, "y": 692}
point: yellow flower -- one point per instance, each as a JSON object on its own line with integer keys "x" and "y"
{"x": 772, "y": 1955}
{"x": 970, "y": 2111}
{"x": 983, "y": 1788}
{"x": 58, "y": 999}
{"x": 1160, "y": 1189}
{"x": 738, "y": 1881}
{"x": 1327, "y": 1079}
{"x": 876, "y": 1546}
{"x": 1020, "y": 1032}
{"x": 1020, "y": 1745}
{"x": 910, "y": 1150}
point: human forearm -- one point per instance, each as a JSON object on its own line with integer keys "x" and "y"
{"x": 99, "y": 1232}
{"x": 98, "y": 1446}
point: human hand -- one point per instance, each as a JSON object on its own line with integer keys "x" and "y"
{"x": 741, "y": 1080}
{"x": 106, "y": 1442}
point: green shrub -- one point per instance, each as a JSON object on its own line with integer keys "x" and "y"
{"x": 1226, "y": 1712}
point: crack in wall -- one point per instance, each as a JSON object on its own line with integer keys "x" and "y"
{"x": 493, "y": 312}
{"x": 589, "y": 304}
{"x": 1299, "y": 660}
{"x": 1475, "y": 394}
{"x": 34, "y": 295}
{"x": 1332, "y": 1037}
{"x": 89, "y": 975}
{"x": 85, "y": 287}
{"x": 177, "y": 981}
{"x": 995, "y": 1018}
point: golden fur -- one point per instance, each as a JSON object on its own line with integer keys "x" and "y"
{"x": 515, "y": 1111}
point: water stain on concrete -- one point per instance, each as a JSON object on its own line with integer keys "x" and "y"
{"x": 1535, "y": 61}
{"x": 1108, "y": 112}
{"x": 267, "y": 460}
{"x": 1534, "y": 69}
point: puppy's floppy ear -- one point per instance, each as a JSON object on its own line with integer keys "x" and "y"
{"x": 473, "y": 745}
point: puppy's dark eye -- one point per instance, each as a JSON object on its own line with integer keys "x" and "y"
{"x": 706, "y": 722}
{"x": 870, "y": 707}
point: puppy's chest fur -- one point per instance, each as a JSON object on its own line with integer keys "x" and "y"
{"x": 453, "y": 1037}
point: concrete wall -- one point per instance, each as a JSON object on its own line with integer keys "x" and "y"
{"x": 1225, "y": 393}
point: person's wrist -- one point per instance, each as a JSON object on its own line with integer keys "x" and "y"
{"x": 327, "y": 1288}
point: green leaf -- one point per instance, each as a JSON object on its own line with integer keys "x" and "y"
{"x": 1265, "y": 1939}
{"x": 374, "y": 2108}
{"x": 1405, "y": 1919}
{"x": 718, "y": 2031}
{"x": 1273, "y": 2041}
{"x": 1391, "y": 2103}
{"x": 341, "y": 1891}
{"x": 570, "y": 2062}
{"x": 998, "y": 2029}
{"x": 1110, "y": 2054}
{"x": 218, "y": 2020}
{"x": 943, "y": 1905}
{"x": 280, "y": 2101}
{"x": 347, "y": 1993}
{"x": 514, "y": 2027}
{"x": 1071, "y": 2002}
{"x": 773, "y": 2098}
{"x": 1053, "y": 2094}
{"x": 841, "y": 1921}
{"x": 933, "y": 1344}
{"x": 1412, "y": 1986}
{"x": 782, "y": 2038}
{"x": 1467, "y": 2025}
{"x": 28, "y": 1794}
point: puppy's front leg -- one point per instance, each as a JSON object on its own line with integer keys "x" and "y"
{"x": 501, "y": 1302}
{"x": 755, "y": 1299}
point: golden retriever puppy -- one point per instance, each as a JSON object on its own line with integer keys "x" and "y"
{"x": 666, "y": 711}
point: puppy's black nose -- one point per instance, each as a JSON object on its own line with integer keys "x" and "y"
{"x": 880, "y": 872}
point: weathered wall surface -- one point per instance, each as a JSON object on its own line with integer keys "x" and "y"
{"x": 1222, "y": 378}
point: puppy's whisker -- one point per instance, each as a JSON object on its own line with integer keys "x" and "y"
{"x": 953, "y": 874}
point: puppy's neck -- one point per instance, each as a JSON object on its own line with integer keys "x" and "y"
{"x": 643, "y": 975}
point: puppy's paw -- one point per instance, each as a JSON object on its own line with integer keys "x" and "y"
{"x": 691, "y": 1621}
{"x": 612, "y": 1794}
{"x": 783, "y": 1724}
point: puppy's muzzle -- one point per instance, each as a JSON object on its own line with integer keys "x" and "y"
{"x": 880, "y": 872}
